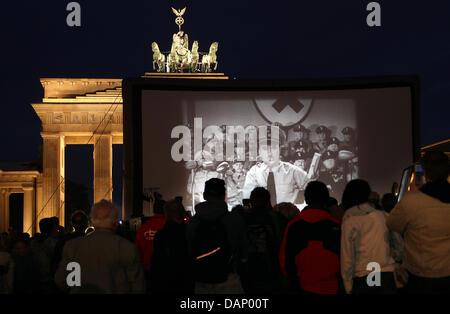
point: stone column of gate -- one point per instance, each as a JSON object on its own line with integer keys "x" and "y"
{"x": 52, "y": 177}
{"x": 29, "y": 210}
{"x": 4, "y": 210}
{"x": 102, "y": 167}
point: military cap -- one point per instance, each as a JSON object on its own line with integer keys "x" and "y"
{"x": 301, "y": 144}
{"x": 333, "y": 140}
{"x": 322, "y": 129}
{"x": 348, "y": 130}
{"x": 329, "y": 155}
{"x": 300, "y": 155}
{"x": 299, "y": 128}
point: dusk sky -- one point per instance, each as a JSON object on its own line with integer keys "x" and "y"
{"x": 257, "y": 39}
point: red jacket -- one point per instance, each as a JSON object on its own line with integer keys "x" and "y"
{"x": 145, "y": 236}
{"x": 309, "y": 254}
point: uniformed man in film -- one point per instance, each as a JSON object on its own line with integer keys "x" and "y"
{"x": 282, "y": 179}
{"x": 323, "y": 135}
{"x": 348, "y": 154}
{"x": 332, "y": 174}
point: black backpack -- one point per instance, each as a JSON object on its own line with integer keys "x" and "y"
{"x": 262, "y": 250}
{"x": 212, "y": 253}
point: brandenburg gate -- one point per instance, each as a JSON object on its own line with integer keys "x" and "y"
{"x": 72, "y": 112}
{"x": 89, "y": 111}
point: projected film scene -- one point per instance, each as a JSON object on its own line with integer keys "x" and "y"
{"x": 279, "y": 141}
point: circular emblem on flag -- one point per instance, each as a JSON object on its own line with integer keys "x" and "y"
{"x": 286, "y": 110}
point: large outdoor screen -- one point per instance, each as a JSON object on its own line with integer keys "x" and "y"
{"x": 276, "y": 139}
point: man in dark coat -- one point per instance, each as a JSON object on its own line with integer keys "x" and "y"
{"x": 171, "y": 269}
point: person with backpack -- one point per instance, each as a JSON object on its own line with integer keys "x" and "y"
{"x": 309, "y": 254}
{"x": 216, "y": 243}
{"x": 262, "y": 270}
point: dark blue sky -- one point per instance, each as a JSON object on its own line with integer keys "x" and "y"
{"x": 264, "y": 39}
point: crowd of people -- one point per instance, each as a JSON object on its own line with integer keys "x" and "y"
{"x": 361, "y": 245}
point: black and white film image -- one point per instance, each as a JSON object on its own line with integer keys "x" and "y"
{"x": 289, "y": 165}
{"x": 279, "y": 141}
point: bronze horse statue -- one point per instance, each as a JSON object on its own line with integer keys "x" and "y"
{"x": 210, "y": 58}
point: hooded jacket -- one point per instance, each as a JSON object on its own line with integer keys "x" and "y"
{"x": 309, "y": 255}
{"x": 364, "y": 240}
{"x": 423, "y": 219}
{"x": 233, "y": 222}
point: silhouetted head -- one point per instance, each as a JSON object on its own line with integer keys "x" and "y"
{"x": 374, "y": 199}
{"x": 388, "y": 202}
{"x": 316, "y": 194}
{"x": 214, "y": 190}
{"x": 238, "y": 209}
{"x": 174, "y": 211}
{"x": 20, "y": 247}
{"x": 334, "y": 209}
{"x": 48, "y": 227}
{"x": 61, "y": 231}
{"x": 79, "y": 221}
{"x": 356, "y": 193}
{"x": 105, "y": 215}
{"x": 158, "y": 207}
{"x": 332, "y": 202}
{"x": 24, "y": 235}
{"x": 55, "y": 220}
{"x": 260, "y": 198}
{"x": 288, "y": 210}
{"x": 436, "y": 165}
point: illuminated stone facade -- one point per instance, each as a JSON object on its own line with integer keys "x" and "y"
{"x": 78, "y": 111}
{"x": 28, "y": 182}
{"x": 72, "y": 112}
